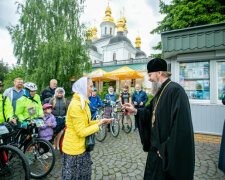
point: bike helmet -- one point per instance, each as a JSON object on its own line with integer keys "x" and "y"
{"x": 47, "y": 105}
{"x": 94, "y": 88}
{"x": 30, "y": 86}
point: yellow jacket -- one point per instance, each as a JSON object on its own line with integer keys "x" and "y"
{"x": 78, "y": 127}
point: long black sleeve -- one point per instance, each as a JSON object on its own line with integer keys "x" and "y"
{"x": 143, "y": 119}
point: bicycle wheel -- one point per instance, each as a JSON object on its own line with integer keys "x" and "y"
{"x": 115, "y": 126}
{"x": 41, "y": 157}
{"x": 127, "y": 123}
{"x": 101, "y": 134}
{"x": 13, "y": 163}
{"x": 61, "y": 141}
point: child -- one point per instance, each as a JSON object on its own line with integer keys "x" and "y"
{"x": 46, "y": 131}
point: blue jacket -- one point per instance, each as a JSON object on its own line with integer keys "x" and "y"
{"x": 109, "y": 97}
{"x": 95, "y": 102}
{"x": 141, "y": 97}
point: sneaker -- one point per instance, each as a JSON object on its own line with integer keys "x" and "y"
{"x": 49, "y": 154}
{"x": 44, "y": 156}
{"x": 123, "y": 127}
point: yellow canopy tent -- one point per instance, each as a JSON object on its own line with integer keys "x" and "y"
{"x": 124, "y": 73}
{"x": 98, "y": 75}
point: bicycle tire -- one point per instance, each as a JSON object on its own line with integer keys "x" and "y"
{"x": 25, "y": 165}
{"x": 101, "y": 134}
{"x": 127, "y": 129}
{"x": 115, "y": 126}
{"x": 61, "y": 140}
{"x": 33, "y": 165}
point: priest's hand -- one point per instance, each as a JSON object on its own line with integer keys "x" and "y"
{"x": 141, "y": 103}
{"x": 129, "y": 108}
{"x": 159, "y": 154}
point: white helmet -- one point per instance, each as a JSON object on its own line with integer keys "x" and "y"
{"x": 30, "y": 86}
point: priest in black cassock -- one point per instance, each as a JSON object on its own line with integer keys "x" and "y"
{"x": 165, "y": 128}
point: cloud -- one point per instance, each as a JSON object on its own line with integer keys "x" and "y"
{"x": 7, "y": 13}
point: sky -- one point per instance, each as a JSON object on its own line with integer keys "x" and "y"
{"x": 141, "y": 15}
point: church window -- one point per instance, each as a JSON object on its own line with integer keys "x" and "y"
{"x": 114, "y": 56}
{"x": 110, "y": 31}
{"x": 105, "y": 30}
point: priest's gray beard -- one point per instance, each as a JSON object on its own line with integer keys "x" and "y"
{"x": 156, "y": 86}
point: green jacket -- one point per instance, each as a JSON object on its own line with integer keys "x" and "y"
{"x": 24, "y": 103}
{"x": 8, "y": 109}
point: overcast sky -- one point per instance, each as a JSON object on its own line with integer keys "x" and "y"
{"x": 141, "y": 15}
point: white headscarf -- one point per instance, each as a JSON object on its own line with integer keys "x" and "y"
{"x": 59, "y": 89}
{"x": 80, "y": 87}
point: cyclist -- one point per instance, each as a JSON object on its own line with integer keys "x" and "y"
{"x": 6, "y": 109}
{"x": 125, "y": 98}
{"x": 95, "y": 102}
{"x": 29, "y": 105}
{"x": 109, "y": 98}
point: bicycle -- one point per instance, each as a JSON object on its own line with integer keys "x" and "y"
{"x": 39, "y": 152}
{"x": 102, "y": 133}
{"x": 114, "y": 125}
{"x": 126, "y": 121}
{"x": 13, "y": 163}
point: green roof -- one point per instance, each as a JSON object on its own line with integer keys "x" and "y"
{"x": 199, "y": 38}
{"x": 136, "y": 67}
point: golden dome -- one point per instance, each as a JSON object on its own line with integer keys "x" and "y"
{"x": 108, "y": 15}
{"x": 138, "y": 42}
{"x": 89, "y": 33}
{"x": 124, "y": 23}
{"x": 120, "y": 25}
{"x": 94, "y": 32}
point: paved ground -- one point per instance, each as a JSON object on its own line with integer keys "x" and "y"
{"x": 123, "y": 158}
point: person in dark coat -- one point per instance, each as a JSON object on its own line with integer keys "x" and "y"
{"x": 139, "y": 99}
{"x": 165, "y": 128}
{"x": 221, "y": 164}
{"x": 48, "y": 92}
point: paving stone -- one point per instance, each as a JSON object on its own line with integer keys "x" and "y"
{"x": 123, "y": 158}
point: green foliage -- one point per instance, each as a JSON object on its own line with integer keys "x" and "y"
{"x": 49, "y": 41}
{"x": 16, "y": 72}
{"x": 150, "y": 97}
{"x": 4, "y": 69}
{"x": 188, "y": 13}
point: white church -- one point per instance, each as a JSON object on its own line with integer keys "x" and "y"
{"x": 114, "y": 50}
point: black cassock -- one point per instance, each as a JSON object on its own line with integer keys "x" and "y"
{"x": 172, "y": 135}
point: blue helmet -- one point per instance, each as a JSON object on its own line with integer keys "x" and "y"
{"x": 94, "y": 88}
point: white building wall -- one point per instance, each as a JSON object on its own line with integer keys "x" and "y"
{"x": 107, "y": 25}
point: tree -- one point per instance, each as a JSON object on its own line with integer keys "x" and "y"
{"x": 15, "y": 72}
{"x": 49, "y": 41}
{"x": 4, "y": 69}
{"x": 189, "y": 13}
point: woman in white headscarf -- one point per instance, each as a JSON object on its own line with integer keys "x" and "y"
{"x": 76, "y": 160}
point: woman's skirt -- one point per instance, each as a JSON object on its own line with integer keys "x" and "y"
{"x": 76, "y": 167}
